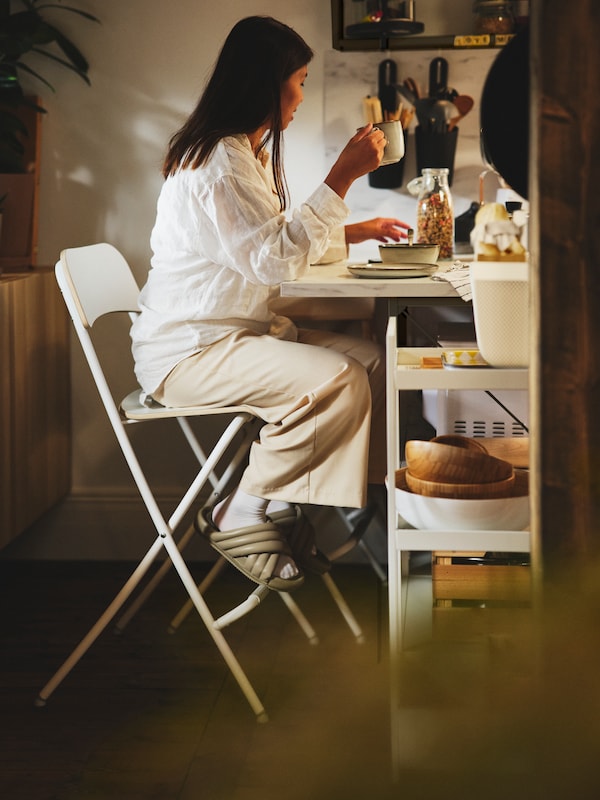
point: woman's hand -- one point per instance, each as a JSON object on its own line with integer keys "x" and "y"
{"x": 362, "y": 154}
{"x": 381, "y": 228}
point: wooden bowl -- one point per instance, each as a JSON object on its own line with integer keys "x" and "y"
{"x": 514, "y": 449}
{"x": 466, "y": 491}
{"x": 444, "y": 463}
{"x": 456, "y": 440}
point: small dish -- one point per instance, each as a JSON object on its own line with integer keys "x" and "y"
{"x": 465, "y": 357}
{"x": 392, "y": 270}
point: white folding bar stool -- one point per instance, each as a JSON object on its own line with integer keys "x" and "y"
{"x": 96, "y": 280}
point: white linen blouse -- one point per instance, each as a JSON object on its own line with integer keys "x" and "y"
{"x": 220, "y": 247}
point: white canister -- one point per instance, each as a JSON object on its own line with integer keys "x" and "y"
{"x": 501, "y": 311}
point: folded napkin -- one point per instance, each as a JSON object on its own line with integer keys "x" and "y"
{"x": 458, "y": 275}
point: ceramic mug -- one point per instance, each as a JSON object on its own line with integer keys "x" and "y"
{"x": 394, "y": 147}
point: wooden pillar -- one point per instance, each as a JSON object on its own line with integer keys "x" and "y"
{"x": 565, "y": 233}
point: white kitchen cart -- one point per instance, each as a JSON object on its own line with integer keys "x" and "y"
{"x": 404, "y": 372}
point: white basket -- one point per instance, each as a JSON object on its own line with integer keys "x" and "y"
{"x": 501, "y": 311}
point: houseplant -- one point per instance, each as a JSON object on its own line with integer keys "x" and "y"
{"x": 27, "y": 29}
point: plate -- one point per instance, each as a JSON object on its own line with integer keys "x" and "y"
{"x": 464, "y": 357}
{"x": 395, "y": 271}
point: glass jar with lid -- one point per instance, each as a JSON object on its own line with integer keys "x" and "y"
{"x": 494, "y": 17}
{"x": 435, "y": 216}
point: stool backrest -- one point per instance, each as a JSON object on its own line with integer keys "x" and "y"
{"x": 95, "y": 280}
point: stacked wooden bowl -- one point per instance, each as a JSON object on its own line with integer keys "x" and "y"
{"x": 456, "y": 467}
{"x": 454, "y": 483}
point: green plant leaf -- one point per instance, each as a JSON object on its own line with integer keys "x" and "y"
{"x": 26, "y": 68}
{"x": 71, "y": 9}
{"x": 23, "y": 32}
{"x": 71, "y": 52}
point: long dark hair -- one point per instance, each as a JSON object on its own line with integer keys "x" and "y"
{"x": 242, "y": 94}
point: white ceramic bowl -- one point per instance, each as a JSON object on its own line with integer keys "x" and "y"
{"x": 396, "y": 253}
{"x": 445, "y": 513}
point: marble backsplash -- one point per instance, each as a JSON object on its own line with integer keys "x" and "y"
{"x": 351, "y": 76}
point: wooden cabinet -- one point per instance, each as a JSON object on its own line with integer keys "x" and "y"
{"x": 35, "y": 397}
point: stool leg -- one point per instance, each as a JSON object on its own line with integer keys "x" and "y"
{"x": 302, "y": 621}
{"x": 344, "y": 608}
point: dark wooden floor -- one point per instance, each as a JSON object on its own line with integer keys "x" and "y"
{"x": 151, "y": 715}
{"x": 148, "y": 715}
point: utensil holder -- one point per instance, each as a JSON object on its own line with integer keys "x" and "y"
{"x": 436, "y": 150}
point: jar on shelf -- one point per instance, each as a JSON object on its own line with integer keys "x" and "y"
{"x": 435, "y": 217}
{"x": 494, "y": 17}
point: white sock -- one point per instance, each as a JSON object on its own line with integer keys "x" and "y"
{"x": 241, "y": 510}
{"x": 277, "y": 505}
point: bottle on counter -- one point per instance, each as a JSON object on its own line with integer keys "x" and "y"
{"x": 435, "y": 217}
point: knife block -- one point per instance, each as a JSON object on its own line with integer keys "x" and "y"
{"x": 436, "y": 150}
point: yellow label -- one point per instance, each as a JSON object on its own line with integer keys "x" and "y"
{"x": 481, "y": 40}
{"x": 503, "y": 38}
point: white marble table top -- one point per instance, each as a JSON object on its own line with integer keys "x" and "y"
{"x": 334, "y": 280}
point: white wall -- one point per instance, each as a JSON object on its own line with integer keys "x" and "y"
{"x": 103, "y": 147}
{"x": 102, "y": 151}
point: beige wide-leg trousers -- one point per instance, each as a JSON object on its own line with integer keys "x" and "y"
{"x": 322, "y": 399}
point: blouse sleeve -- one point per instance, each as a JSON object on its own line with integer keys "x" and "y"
{"x": 254, "y": 239}
{"x": 337, "y": 249}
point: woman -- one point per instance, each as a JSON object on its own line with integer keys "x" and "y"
{"x": 221, "y": 246}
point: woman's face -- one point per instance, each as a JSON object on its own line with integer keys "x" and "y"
{"x": 292, "y": 95}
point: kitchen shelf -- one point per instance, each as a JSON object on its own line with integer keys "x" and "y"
{"x": 403, "y": 373}
{"x": 468, "y": 41}
{"x": 411, "y": 41}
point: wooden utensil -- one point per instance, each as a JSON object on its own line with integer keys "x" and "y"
{"x": 372, "y": 109}
{"x": 464, "y": 104}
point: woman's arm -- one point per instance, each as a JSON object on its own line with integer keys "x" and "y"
{"x": 381, "y": 228}
{"x": 362, "y": 154}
